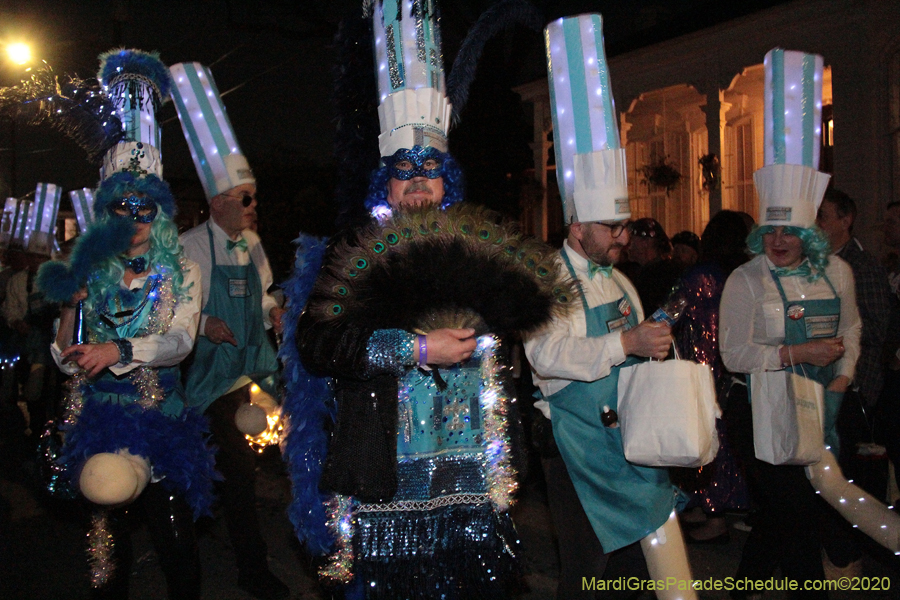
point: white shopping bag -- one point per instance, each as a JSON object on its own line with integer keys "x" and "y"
{"x": 667, "y": 412}
{"x": 787, "y": 418}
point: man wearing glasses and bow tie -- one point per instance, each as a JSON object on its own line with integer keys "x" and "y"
{"x": 609, "y": 514}
{"x": 232, "y": 350}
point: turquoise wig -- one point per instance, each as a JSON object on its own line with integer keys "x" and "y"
{"x": 814, "y": 244}
{"x": 165, "y": 257}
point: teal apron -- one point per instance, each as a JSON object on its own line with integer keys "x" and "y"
{"x": 806, "y": 320}
{"x": 624, "y": 502}
{"x": 235, "y": 296}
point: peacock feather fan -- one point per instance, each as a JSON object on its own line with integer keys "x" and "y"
{"x": 123, "y": 63}
{"x": 430, "y": 268}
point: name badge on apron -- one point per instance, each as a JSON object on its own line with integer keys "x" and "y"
{"x": 615, "y": 325}
{"x": 238, "y": 288}
{"x": 824, "y": 326}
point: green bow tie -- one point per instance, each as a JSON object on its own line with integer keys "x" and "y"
{"x": 594, "y": 268}
{"x": 241, "y": 243}
{"x": 803, "y": 270}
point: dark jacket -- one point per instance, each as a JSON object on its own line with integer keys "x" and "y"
{"x": 362, "y": 453}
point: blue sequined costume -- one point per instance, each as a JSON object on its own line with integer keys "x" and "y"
{"x": 420, "y": 463}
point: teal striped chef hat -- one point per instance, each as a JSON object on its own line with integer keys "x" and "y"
{"x": 217, "y": 156}
{"x": 8, "y": 221}
{"x": 41, "y": 225}
{"x": 83, "y": 203}
{"x": 590, "y": 161}
{"x": 790, "y": 186}
{"x": 413, "y": 108}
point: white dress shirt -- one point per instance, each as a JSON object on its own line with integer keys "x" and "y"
{"x": 196, "y": 247}
{"x": 163, "y": 350}
{"x": 561, "y": 352}
{"x": 751, "y": 318}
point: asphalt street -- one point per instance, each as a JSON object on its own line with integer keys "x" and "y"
{"x": 42, "y": 550}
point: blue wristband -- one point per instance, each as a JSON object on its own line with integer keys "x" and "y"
{"x": 125, "y": 350}
{"x": 423, "y": 350}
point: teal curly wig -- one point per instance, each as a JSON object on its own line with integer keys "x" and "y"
{"x": 814, "y": 243}
{"x": 165, "y": 257}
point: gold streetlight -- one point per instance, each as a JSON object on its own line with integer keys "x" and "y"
{"x": 19, "y": 53}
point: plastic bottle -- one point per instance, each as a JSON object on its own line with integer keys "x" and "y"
{"x": 671, "y": 311}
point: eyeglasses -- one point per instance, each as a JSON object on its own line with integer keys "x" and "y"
{"x": 616, "y": 229}
{"x": 245, "y": 198}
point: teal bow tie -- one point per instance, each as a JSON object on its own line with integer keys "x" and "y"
{"x": 594, "y": 268}
{"x": 803, "y": 270}
{"x": 241, "y": 243}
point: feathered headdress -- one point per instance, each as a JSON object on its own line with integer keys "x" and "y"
{"x": 132, "y": 81}
{"x": 74, "y": 107}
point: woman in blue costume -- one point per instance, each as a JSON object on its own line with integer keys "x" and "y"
{"x": 128, "y": 436}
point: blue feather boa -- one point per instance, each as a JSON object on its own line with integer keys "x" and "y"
{"x": 121, "y": 61}
{"x": 308, "y": 402}
{"x": 174, "y": 446}
{"x": 102, "y": 241}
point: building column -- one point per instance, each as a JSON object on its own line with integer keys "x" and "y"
{"x": 543, "y": 125}
{"x": 715, "y": 109}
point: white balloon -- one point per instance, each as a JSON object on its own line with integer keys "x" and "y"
{"x": 114, "y": 479}
{"x": 250, "y": 419}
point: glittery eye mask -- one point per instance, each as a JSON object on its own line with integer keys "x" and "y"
{"x": 141, "y": 210}
{"x": 416, "y": 162}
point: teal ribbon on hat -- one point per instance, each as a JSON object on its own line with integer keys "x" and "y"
{"x": 804, "y": 270}
{"x": 594, "y": 268}
{"x": 241, "y": 243}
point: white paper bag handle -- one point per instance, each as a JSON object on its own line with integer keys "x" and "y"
{"x": 674, "y": 350}
{"x": 791, "y": 359}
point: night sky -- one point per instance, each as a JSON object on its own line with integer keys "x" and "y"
{"x": 273, "y": 60}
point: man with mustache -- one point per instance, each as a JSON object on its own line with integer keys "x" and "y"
{"x": 232, "y": 350}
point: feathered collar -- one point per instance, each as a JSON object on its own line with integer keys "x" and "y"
{"x": 424, "y": 269}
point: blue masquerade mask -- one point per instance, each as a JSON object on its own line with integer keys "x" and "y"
{"x": 416, "y": 162}
{"x": 141, "y": 210}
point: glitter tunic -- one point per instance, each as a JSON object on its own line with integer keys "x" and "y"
{"x": 444, "y": 533}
